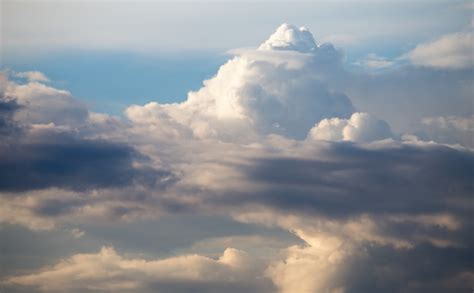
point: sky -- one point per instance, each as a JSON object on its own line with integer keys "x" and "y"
{"x": 272, "y": 146}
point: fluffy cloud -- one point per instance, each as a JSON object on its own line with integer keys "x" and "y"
{"x": 274, "y": 90}
{"x": 361, "y": 127}
{"x": 267, "y": 141}
{"x": 289, "y": 37}
{"x": 44, "y": 104}
{"x": 364, "y": 253}
{"x": 107, "y": 271}
{"x": 453, "y": 51}
{"x": 49, "y": 155}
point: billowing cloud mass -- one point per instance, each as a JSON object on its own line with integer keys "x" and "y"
{"x": 269, "y": 142}
{"x": 361, "y": 127}
{"x": 276, "y": 89}
{"x": 453, "y": 51}
{"x": 233, "y": 271}
{"x": 289, "y": 37}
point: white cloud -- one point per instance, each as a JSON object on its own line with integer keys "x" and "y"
{"x": 361, "y": 127}
{"x": 44, "y": 104}
{"x": 311, "y": 268}
{"x": 289, "y": 37}
{"x": 453, "y": 51}
{"x": 77, "y": 233}
{"x": 256, "y": 93}
{"x": 33, "y": 76}
{"x": 374, "y": 61}
{"x": 331, "y": 248}
{"x": 109, "y": 271}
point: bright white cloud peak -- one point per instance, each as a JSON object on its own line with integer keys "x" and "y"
{"x": 289, "y": 37}
{"x": 361, "y": 127}
{"x": 276, "y": 89}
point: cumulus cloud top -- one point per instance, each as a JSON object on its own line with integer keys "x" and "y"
{"x": 256, "y": 93}
{"x": 289, "y": 37}
{"x": 361, "y": 127}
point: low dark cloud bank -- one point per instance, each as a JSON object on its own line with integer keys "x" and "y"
{"x": 353, "y": 180}
{"x": 64, "y": 159}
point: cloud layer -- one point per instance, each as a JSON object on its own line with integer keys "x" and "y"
{"x": 271, "y": 141}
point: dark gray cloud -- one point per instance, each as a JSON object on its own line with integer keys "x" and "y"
{"x": 215, "y": 287}
{"x": 401, "y": 181}
{"x": 71, "y": 163}
{"x": 8, "y": 128}
{"x": 64, "y": 159}
{"x": 353, "y": 180}
{"x": 423, "y": 269}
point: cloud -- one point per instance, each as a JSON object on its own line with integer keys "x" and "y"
{"x": 374, "y": 61}
{"x": 310, "y": 268}
{"x": 8, "y": 128}
{"x": 453, "y": 51}
{"x": 417, "y": 92}
{"x": 68, "y": 162}
{"x": 33, "y": 76}
{"x": 361, "y": 127}
{"x": 77, "y": 233}
{"x": 270, "y": 140}
{"x": 289, "y": 37}
{"x": 44, "y": 104}
{"x": 276, "y": 89}
{"x": 450, "y": 122}
{"x": 49, "y": 159}
{"x": 448, "y": 129}
{"x": 106, "y": 270}
{"x": 343, "y": 179}
{"x": 357, "y": 255}
{"x": 48, "y": 150}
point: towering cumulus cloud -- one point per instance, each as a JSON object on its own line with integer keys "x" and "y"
{"x": 276, "y": 89}
{"x": 269, "y": 143}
